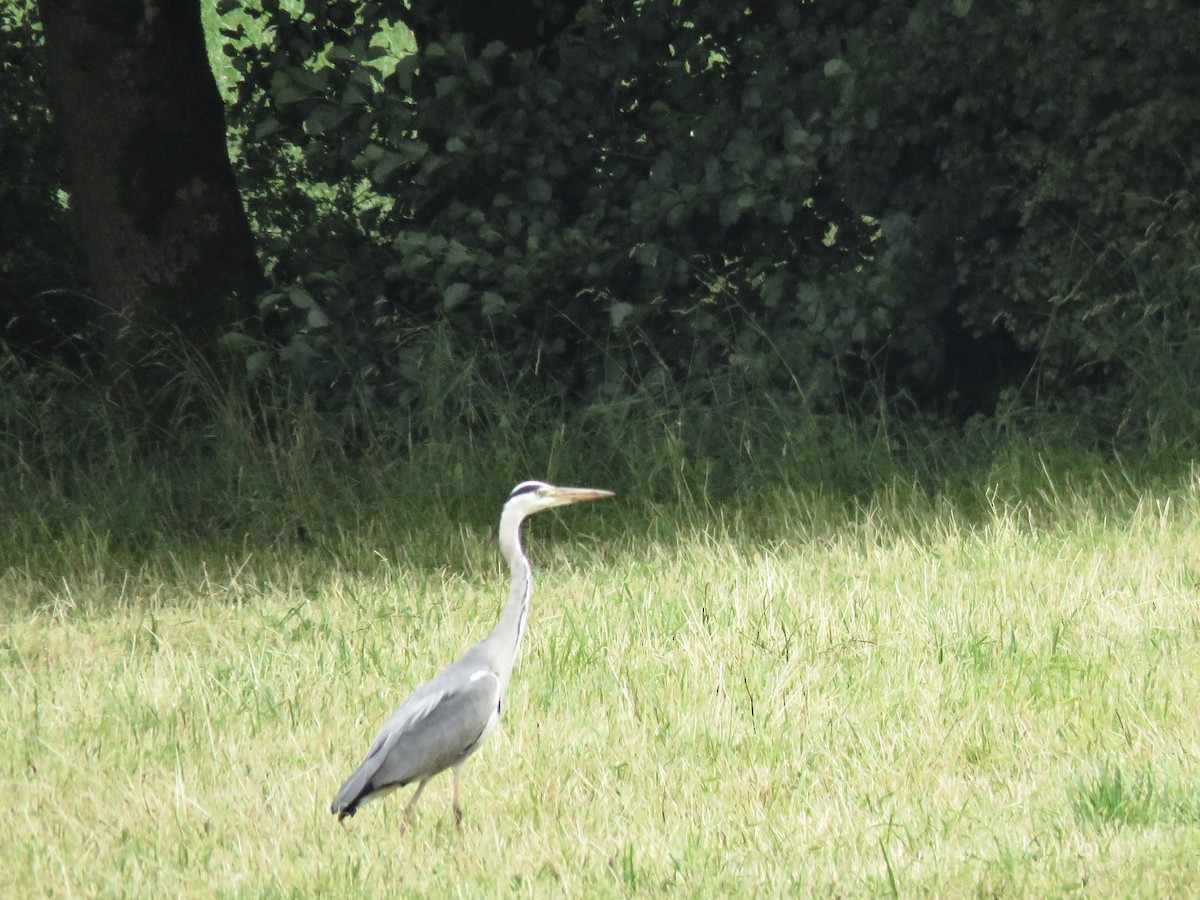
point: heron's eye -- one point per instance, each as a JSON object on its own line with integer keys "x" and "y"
{"x": 542, "y": 492}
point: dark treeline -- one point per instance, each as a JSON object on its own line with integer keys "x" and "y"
{"x": 965, "y": 204}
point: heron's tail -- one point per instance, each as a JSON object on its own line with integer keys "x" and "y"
{"x": 356, "y": 791}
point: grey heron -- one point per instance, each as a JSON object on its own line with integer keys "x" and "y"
{"x": 450, "y": 716}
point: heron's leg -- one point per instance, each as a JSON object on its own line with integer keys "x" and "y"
{"x": 411, "y": 803}
{"x": 457, "y": 806}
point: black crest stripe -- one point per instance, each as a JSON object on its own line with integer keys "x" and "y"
{"x": 526, "y": 488}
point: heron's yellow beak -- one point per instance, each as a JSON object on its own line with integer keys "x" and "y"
{"x": 565, "y": 495}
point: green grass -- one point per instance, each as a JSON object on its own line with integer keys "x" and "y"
{"x": 788, "y": 658}
{"x": 1148, "y": 797}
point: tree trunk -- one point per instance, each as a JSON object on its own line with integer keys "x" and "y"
{"x": 167, "y": 244}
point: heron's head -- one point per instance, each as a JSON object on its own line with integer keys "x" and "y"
{"x": 529, "y": 497}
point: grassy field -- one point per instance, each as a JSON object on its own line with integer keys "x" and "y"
{"x": 797, "y": 668}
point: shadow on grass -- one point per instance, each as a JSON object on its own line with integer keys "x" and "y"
{"x": 268, "y": 496}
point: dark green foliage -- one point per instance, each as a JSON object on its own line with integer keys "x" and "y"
{"x": 967, "y": 203}
{"x": 625, "y": 211}
{"x": 799, "y": 198}
{"x": 647, "y": 224}
{"x": 1033, "y": 167}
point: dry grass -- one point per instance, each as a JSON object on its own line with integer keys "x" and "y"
{"x": 915, "y": 694}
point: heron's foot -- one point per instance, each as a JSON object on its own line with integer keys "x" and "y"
{"x": 458, "y": 817}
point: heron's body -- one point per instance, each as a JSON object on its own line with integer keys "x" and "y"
{"x": 450, "y": 716}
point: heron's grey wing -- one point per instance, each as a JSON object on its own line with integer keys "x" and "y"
{"x": 441, "y": 724}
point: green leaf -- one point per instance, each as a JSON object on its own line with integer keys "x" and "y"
{"x": 325, "y": 117}
{"x": 388, "y": 164}
{"x": 794, "y": 136}
{"x": 457, "y": 254}
{"x": 492, "y": 304}
{"x": 730, "y": 212}
{"x": 300, "y": 298}
{"x": 492, "y": 51}
{"x": 455, "y": 294}
{"x": 772, "y": 289}
{"x": 646, "y": 254}
{"x": 619, "y": 312}
{"x": 415, "y": 263}
{"x": 266, "y": 127}
{"x": 479, "y": 73}
{"x": 539, "y": 190}
{"x": 257, "y": 363}
{"x": 837, "y": 68}
{"x": 287, "y": 94}
{"x": 455, "y": 45}
{"x": 270, "y": 300}
{"x": 237, "y": 342}
{"x": 808, "y": 295}
{"x": 405, "y": 69}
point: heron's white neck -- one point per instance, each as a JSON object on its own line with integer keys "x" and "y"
{"x": 511, "y": 627}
